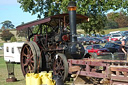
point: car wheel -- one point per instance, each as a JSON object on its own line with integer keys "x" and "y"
{"x": 91, "y": 43}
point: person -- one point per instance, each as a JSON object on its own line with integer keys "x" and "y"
{"x": 123, "y": 48}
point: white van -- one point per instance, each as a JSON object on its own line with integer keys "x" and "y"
{"x": 115, "y": 34}
{"x": 12, "y": 51}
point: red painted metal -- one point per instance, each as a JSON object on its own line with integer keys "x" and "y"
{"x": 116, "y": 71}
{"x": 118, "y": 83}
{"x": 30, "y": 24}
{"x": 79, "y": 18}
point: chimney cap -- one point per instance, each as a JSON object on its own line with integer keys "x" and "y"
{"x": 72, "y": 4}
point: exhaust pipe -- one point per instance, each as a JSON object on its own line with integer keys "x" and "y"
{"x": 72, "y": 20}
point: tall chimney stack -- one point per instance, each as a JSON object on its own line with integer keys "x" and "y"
{"x": 72, "y": 20}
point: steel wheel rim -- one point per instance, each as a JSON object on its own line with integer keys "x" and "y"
{"x": 38, "y": 58}
{"x": 60, "y": 66}
{"x": 59, "y": 70}
{"x": 27, "y": 59}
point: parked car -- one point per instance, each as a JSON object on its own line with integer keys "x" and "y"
{"x": 125, "y": 34}
{"x": 87, "y": 41}
{"x": 96, "y": 48}
{"x": 93, "y": 41}
{"x": 113, "y": 46}
{"x": 82, "y": 40}
{"x": 115, "y": 37}
{"x": 106, "y": 38}
{"x": 101, "y": 40}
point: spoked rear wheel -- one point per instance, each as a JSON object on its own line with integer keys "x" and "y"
{"x": 30, "y": 58}
{"x": 60, "y": 66}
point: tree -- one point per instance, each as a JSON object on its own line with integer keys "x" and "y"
{"x": 111, "y": 24}
{"x": 119, "y": 19}
{"x": 6, "y": 35}
{"x": 22, "y": 33}
{"x": 7, "y": 25}
{"x": 13, "y": 39}
{"x": 112, "y": 15}
{"x": 95, "y": 9}
{"x": 95, "y": 25}
{"x": 122, "y": 20}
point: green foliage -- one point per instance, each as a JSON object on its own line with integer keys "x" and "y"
{"x": 95, "y": 9}
{"x": 117, "y": 29}
{"x": 41, "y": 7}
{"x": 7, "y": 25}
{"x": 95, "y": 25}
{"x": 112, "y": 15}
{"x": 6, "y": 35}
{"x": 13, "y": 39}
{"x": 111, "y": 24}
{"x": 117, "y": 19}
{"x": 122, "y": 20}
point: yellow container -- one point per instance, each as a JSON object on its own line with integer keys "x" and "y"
{"x": 42, "y": 73}
{"x": 33, "y": 79}
{"x": 42, "y": 78}
{"x": 28, "y": 78}
{"x": 50, "y": 74}
{"x": 36, "y": 80}
{"x": 47, "y": 79}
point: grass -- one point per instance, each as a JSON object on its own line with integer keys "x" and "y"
{"x": 80, "y": 31}
{"x": 4, "y": 73}
{"x": 18, "y": 73}
{"x": 1, "y": 44}
{"x": 119, "y": 29}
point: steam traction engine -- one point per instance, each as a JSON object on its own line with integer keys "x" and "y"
{"x": 54, "y": 47}
{"x": 54, "y": 42}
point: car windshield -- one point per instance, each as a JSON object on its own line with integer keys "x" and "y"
{"x": 116, "y": 35}
{"x": 119, "y": 43}
{"x": 97, "y": 46}
{"x": 126, "y": 32}
{"x": 112, "y": 44}
{"x": 80, "y": 39}
{"x": 89, "y": 47}
{"x": 91, "y": 39}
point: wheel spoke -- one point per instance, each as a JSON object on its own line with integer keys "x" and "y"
{"x": 25, "y": 54}
{"x": 60, "y": 66}
{"x": 32, "y": 61}
{"x": 26, "y": 64}
{"x": 27, "y": 49}
{"x": 29, "y": 57}
{"x": 32, "y": 67}
{"x": 60, "y": 73}
{"x": 27, "y": 69}
{"x": 31, "y": 53}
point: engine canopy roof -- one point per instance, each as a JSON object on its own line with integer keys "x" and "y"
{"x": 53, "y": 20}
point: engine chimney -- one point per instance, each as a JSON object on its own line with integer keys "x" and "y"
{"x": 75, "y": 49}
{"x": 72, "y": 20}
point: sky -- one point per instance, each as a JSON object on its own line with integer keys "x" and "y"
{"x": 10, "y": 10}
